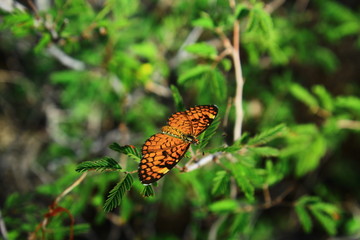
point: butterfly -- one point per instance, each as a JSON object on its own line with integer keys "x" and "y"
{"x": 162, "y": 151}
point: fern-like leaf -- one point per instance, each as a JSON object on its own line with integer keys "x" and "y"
{"x": 116, "y": 194}
{"x": 220, "y": 183}
{"x": 242, "y": 179}
{"x": 129, "y": 150}
{"x": 265, "y": 151}
{"x": 236, "y": 146}
{"x": 179, "y": 103}
{"x": 148, "y": 191}
{"x": 267, "y": 135}
{"x": 206, "y": 136}
{"x": 105, "y": 163}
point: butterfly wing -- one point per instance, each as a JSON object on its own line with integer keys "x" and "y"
{"x": 194, "y": 120}
{"x": 161, "y": 152}
{"x": 181, "y": 122}
{"x": 201, "y": 117}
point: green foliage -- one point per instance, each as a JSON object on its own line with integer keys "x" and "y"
{"x": 103, "y": 164}
{"x": 179, "y": 102}
{"x": 266, "y": 151}
{"x": 209, "y": 132}
{"x": 220, "y": 183}
{"x": 202, "y": 49}
{"x": 117, "y": 193}
{"x": 306, "y": 146}
{"x": 350, "y": 103}
{"x": 130, "y": 151}
{"x": 148, "y": 191}
{"x": 224, "y": 206}
{"x": 204, "y": 21}
{"x": 326, "y": 214}
{"x": 303, "y": 95}
{"x": 194, "y": 73}
{"x": 243, "y": 175}
{"x": 267, "y": 135}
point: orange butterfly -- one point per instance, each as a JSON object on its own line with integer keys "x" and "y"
{"x": 162, "y": 151}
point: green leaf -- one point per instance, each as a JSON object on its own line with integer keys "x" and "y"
{"x": 326, "y": 220}
{"x": 220, "y": 183}
{"x": 310, "y": 158}
{"x": 326, "y": 58}
{"x": 204, "y": 21}
{"x": 324, "y": 213}
{"x": 202, "y": 49}
{"x": 303, "y": 95}
{"x": 268, "y": 135}
{"x": 236, "y": 146}
{"x": 148, "y": 191}
{"x": 224, "y": 206}
{"x": 129, "y": 150}
{"x": 349, "y": 102}
{"x": 68, "y": 76}
{"x": 117, "y": 193}
{"x": 304, "y": 217}
{"x": 206, "y": 136}
{"x": 179, "y": 103}
{"x": 326, "y": 99}
{"x": 265, "y": 151}
{"x": 45, "y": 39}
{"x": 195, "y": 72}
{"x": 241, "y": 11}
{"x": 242, "y": 179}
{"x": 218, "y": 87}
{"x": 105, "y": 163}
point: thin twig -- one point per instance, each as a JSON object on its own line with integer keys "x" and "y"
{"x": 182, "y": 55}
{"x": 266, "y": 205}
{"x": 223, "y": 54}
{"x": 65, "y": 59}
{"x": 239, "y": 81}
{"x": 215, "y": 227}
{"x": 70, "y": 188}
{"x": 267, "y": 195}
{"x": 203, "y": 161}
{"x": 348, "y": 124}
{"x": 3, "y": 230}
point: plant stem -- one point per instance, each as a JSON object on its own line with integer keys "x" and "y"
{"x": 239, "y": 81}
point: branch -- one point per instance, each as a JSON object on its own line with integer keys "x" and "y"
{"x": 3, "y": 230}
{"x": 348, "y": 124}
{"x": 239, "y": 81}
{"x": 182, "y": 55}
{"x": 65, "y": 59}
{"x": 268, "y": 202}
{"x": 54, "y": 210}
{"x": 203, "y": 161}
{"x": 11, "y": 5}
{"x": 70, "y": 188}
{"x": 215, "y": 227}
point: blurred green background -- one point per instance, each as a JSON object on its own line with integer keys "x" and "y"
{"x": 76, "y": 76}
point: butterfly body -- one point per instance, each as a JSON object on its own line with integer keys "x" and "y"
{"x": 177, "y": 133}
{"x": 164, "y": 150}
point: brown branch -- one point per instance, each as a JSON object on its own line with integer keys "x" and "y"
{"x": 266, "y": 205}
{"x": 70, "y": 188}
{"x": 54, "y": 210}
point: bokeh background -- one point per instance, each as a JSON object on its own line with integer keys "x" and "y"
{"x": 76, "y": 76}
